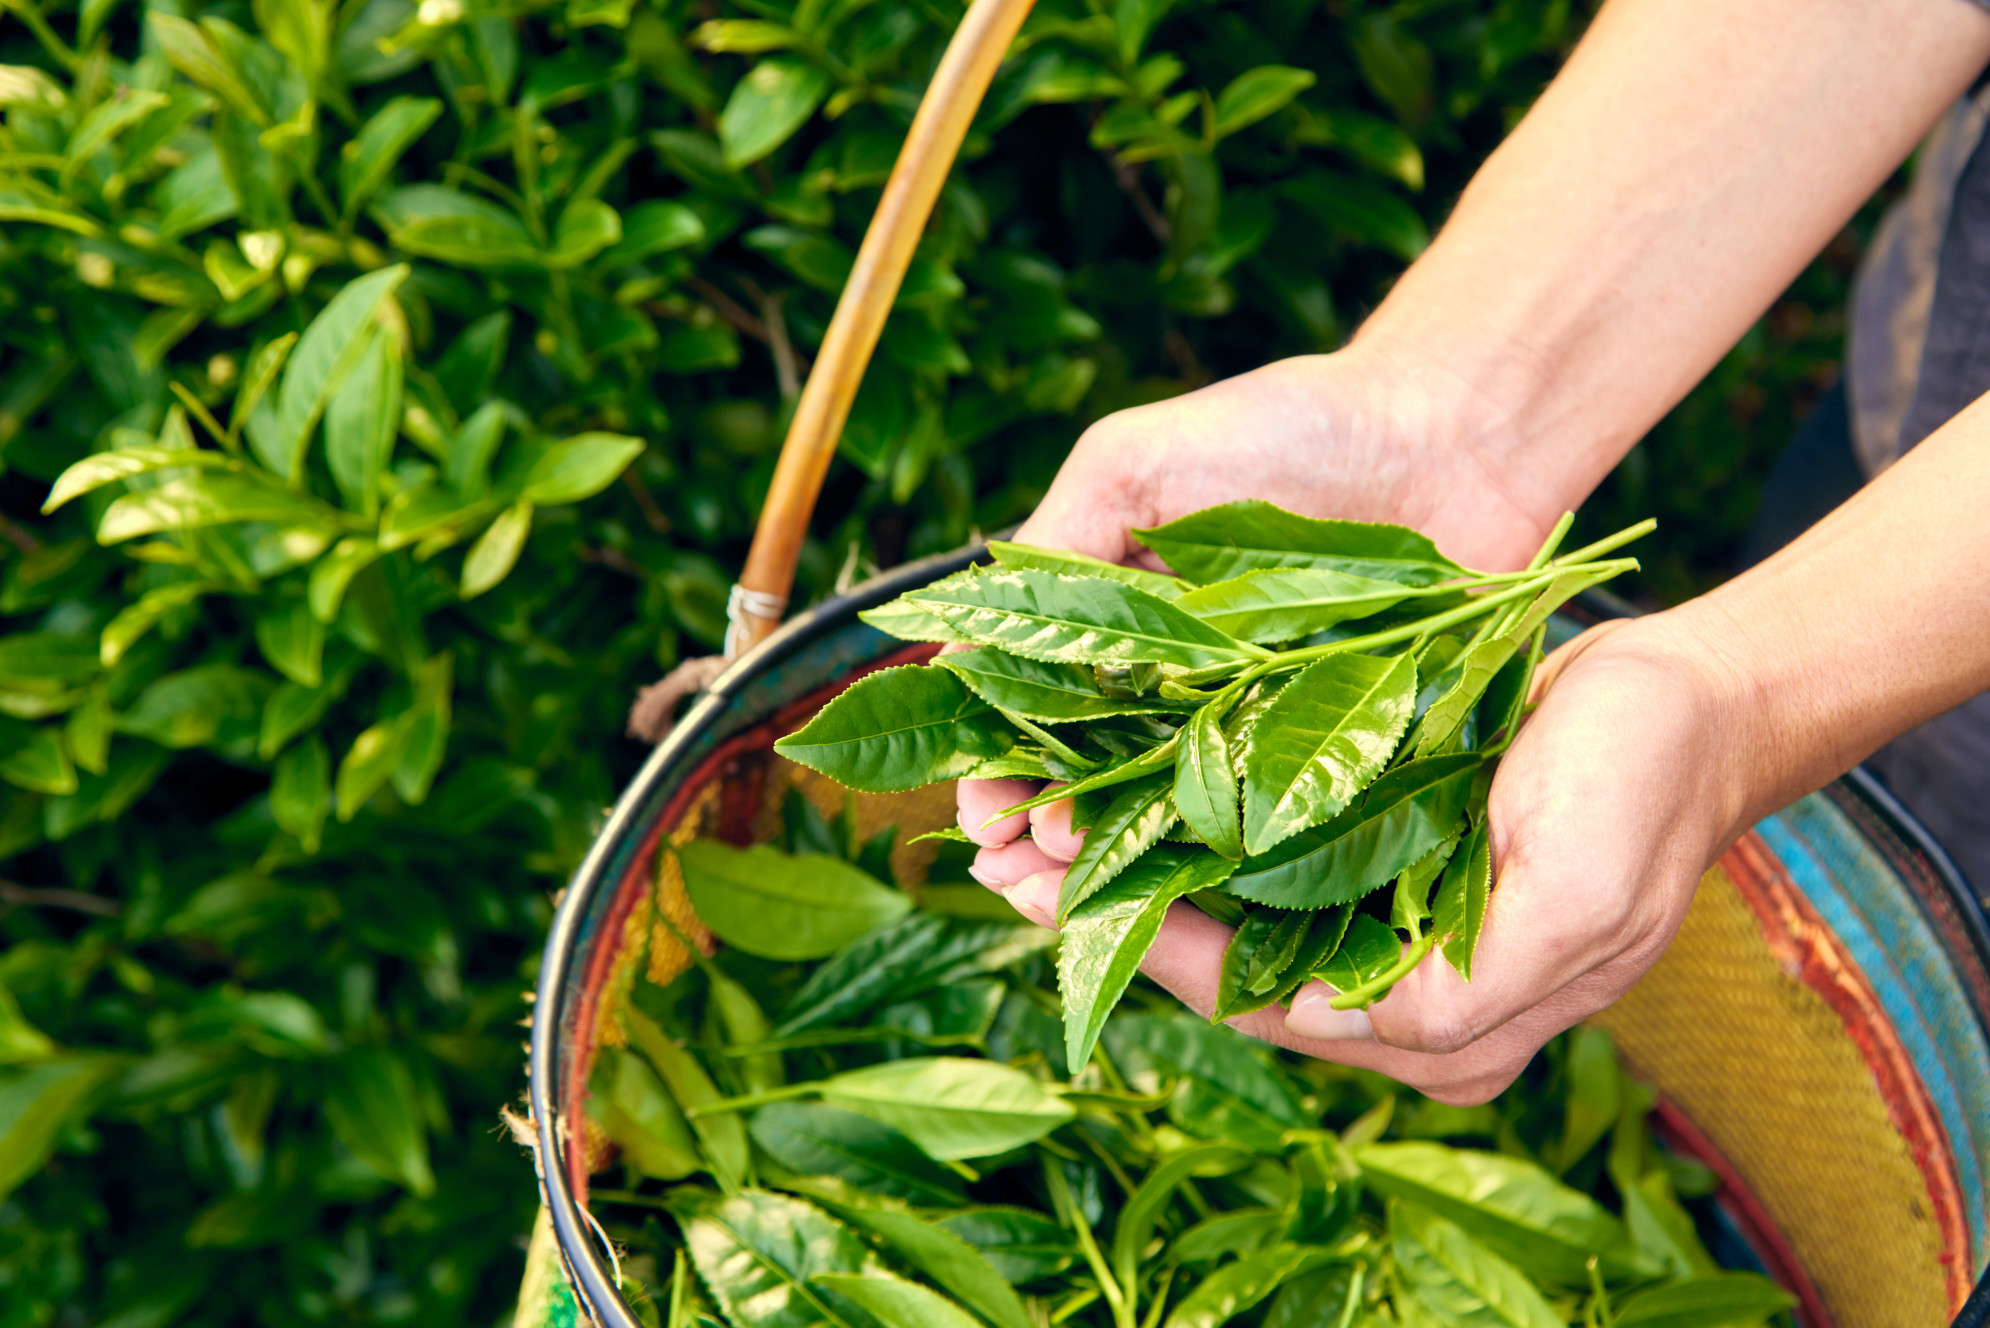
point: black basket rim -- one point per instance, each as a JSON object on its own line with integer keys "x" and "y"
{"x": 581, "y": 1256}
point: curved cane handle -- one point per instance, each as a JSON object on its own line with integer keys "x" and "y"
{"x": 931, "y": 145}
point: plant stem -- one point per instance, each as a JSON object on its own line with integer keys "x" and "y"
{"x": 1591, "y": 552}
{"x": 1388, "y": 978}
{"x": 748, "y": 1101}
{"x": 1067, "y": 1212}
{"x": 1553, "y": 542}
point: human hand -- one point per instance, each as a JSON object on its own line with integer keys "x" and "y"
{"x": 1619, "y": 791}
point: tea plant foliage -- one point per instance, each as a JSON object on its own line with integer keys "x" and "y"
{"x": 386, "y": 390}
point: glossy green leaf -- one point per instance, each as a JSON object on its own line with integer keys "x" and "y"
{"x": 1221, "y": 542}
{"x": 1516, "y": 1209}
{"x": 1402, "y": 816}
{"x": 1021, "y": 1245}
{"x": 1049, "y": 693}
{"x": 1320, "y": 741}
{"x": 458, "y": 228}
{"x": 1236, "y": 1287}
{"x": 759, "y": 1252}
{"x": 777, "y": 97}
{"x": 330, "y": 347}
{"x": 209, "y": 705}
{"x": 206, "y": 500}
{"x": 916, "y": 954}
{"x": 362, "y": 417}
{"x": 1080, "y": 620}
{"x": 300, "y": 792}
{"x": 293, "y": 641}
{"x": 818, "y": 1140}
{"x": 1132, "y": 824}
{"x": 367, "y": 766}
{"x": 496, "y": 551}
{"x": 33, "y": 757}
{"x": 1206, "y": 784}
{"x": 951, "y": 1107}
{"x": 37, "y": 1103}
{"x": 109, "y": 467}
{"x": 655, "y": 226}
{"x": 1148, "y": 764}
{"x": 1135, "y": 1226}
{"x": 927, "y": 1247}
{"x": 1010, "y": 554}
{"x": 897, "y": 729}
{"x": 1107, "y": 936}
{"x": 1286, "y": 603}
{"x": 586, "y": 227}
{"x": 370, "y": 1101}
{"x": 1256, "y": 93}
{"x": 1459, "y": 1281}
{"x": 634, "y": 1109}
{"x": 367, "y": 161}
{"x": 1368, "y": 950}
{"x": 334, "y": 572}
{"x": 1259, "y": 953}
{"x": 146, "y": 612}
{"x": 1227, "y": 1093}
{"x": 767, "y": 903}
{"x": 897, "y": 1303}
{"x": 722, "y": 1135}
{"x": 1458, "y": 912}
{"x": 1719, "y": 1300}
{"x": 1409, "y": 907}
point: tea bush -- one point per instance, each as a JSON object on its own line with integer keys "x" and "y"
{"x": 412, "y": 375}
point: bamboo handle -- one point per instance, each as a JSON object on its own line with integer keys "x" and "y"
{"x": 931, "y": 145}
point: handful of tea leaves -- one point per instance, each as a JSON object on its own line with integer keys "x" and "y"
{"x": 1306, "y": 712}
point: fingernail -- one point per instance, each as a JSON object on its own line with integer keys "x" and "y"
{"x": 1314, "y": 1016}
{"x": 987, "y": 878}
{"x": 1035, "y": 897}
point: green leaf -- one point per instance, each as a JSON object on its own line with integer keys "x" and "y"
{"x": 32, "y": 757}
{"x": 722, "y": 1135}
{"x": 951, "y": 1107}
{"x": 744, "y": 36}
{"x": 94, "y": 472}
{"x": 916, "y": 954}
{"x": 1457, "y": 1280}
{"x": 1719, "y": 1300}
{"x": 369, "y": 763}
{"x": 1515, "y": 1208}
{"x": 897, "y": 1303}
{"x": 1256, "y": 93}
{"x": 759, "y": 1254}
{"x": 776, "y": 98}
{"x": 779, "y": 907}
{"x": 1080, "y": 620}
{"x": 818, "y": 1140}
{"x": 1410, "y": 906}
{"x": 1286, "y": 603}
{"x": 371, "y": 1103}
{"x": 1321, "y": 740}
{"x": 931, "y": 1249}
{"x": 1369, "y": 949}
{"x": 630, "y": 1104}
{"x": 655, "y": 226}
{"x": 496, "y": 551}
{"x": 1360, "y": 209}
{"x": 1132, "y": 824}
{"x": 293, "y": 641}
{"x": 1403, "y": 814}
{"x": 1107, "y": 936}
{"x": 209, "y": 705}
{"x": 1135, "y": 1225}
{"x": 897, "y": 729}
{"x": 446, "y": 224}
{"x": 1236, "y": 1287}
{"x": 1458, "y": 913}
{"x": 1009, "y": 554}
{"x": 257, "y": 379}
{"x": 36, "y": 1104}
{"x": 367, "y": 161}
{"x": 331, "y": 345}
{"x": 573, "y": 468}
{"x": 586, "y": 227}
{"x": 1259, "y": 952}
{"x": 1225, "y": 541}
{"x": 815, "y": 260}
{"x": 1229, "y": 1092}
{"x": 207, "y": 500}
{"x": 20, "y": 1041}
{"x": 134, "y": 620}
{"x": 334, "y": 572}
{"x": 362, "y": 418}
{"x": 300, "y": 792}
{"x": 1206, "y": 784}
{"x": 1022, "y": 1245}
{"x": 1050, "y": 693}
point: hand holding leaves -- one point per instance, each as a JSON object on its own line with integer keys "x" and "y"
{"x": 1352, "y": 751}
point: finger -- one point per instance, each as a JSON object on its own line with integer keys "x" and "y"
{"x": 976, "y": 800}
{"x": 1035, "y": 897}
{"x": 1002, "y": 868}
{"x": 1050, "y": 827}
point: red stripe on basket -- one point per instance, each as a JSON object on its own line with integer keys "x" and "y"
{"x": 600, "y": 961}
{"x": 1812, "y": 953}
{"x": 1747, "y": 1212}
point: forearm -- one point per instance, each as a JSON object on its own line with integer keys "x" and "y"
{"x": 1874, "y": 621}
{"x": 1690, "y": 160}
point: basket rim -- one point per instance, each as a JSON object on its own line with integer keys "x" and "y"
{"x": 589, "y": 1273}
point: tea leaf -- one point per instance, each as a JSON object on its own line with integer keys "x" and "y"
{"x": 897, "y": 729}
{"x": 1705, "y": 1302}
{"x": 951, "y": 1107}
{"x": 1459, "y": 1281}
{"x": 1206, "y": 784}
{"x": 1134, "y": 823}
{"x": 1069, "y": 619}
{"x": 1009, "y": 554}
{"x": 1320, "y": 741}
{"x": 780, "y": 907}
{"x": 819, "y": 1140}
{"x": 1226, "y": 541}
{"x": 760, "y": 1253}
{"x": 1458, "y": 912}
{"x": 1285, "y": 604}
{"x": 1236, "y": 1287}
{"x": 897, "y": 1303}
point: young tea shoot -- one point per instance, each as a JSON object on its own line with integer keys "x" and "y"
{"x": 1296, "y": 731}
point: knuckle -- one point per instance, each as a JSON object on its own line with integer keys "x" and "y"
{"x": 1436, "y": 1030}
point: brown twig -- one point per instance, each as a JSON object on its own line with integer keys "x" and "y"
{"x": 26, "y": 896}
{"x": 729, "y": 309}
{"x": 615, "y": 558}
{"x": 787, "y": 368}
{"x": 18, "y": 536}
{"x": 1127, "y": 176}
{"x": 646, "y": 501}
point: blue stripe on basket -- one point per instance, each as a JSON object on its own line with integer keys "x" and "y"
{"x": 1858, "y": 894}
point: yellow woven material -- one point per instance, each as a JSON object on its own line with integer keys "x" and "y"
{"x": 914, "y": 812}
{"x": 1766, "y": 1070}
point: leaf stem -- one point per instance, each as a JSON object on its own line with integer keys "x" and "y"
{"x": 1591, "y": 552}
{"x": 1388, "y": 978}
{"x": 1553, "y": 542}
{"x": 748, "y": 1101}
{"x": 1067, "y": 1212}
